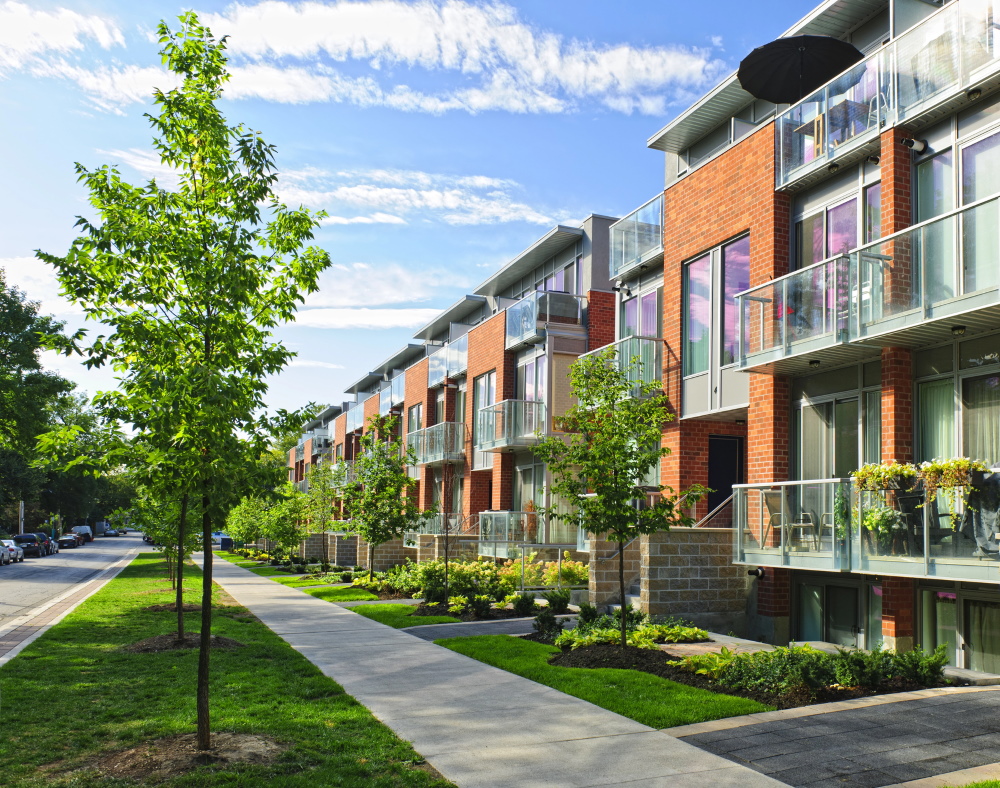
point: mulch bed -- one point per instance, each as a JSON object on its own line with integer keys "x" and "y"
{"x": 441, "y": 609}
{"x": 172, "y": 608}
{"x": 655, "y": 662}
{"x": 169, "y": 642}
{"x": 163, "y": 759}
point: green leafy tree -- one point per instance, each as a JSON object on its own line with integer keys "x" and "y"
{"x": 324, "y": 489}
{"x": 191, "y": 281}
{"x": 284, "y": 520}
{"x": 245, "y": 522}
{"x": 612, "y": 443}
{"x": 380, "y": 501}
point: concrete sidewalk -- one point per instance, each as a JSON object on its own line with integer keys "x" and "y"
{"x": 478, "y": 725}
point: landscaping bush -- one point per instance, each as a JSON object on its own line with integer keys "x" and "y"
{"x": 532, "y": 573}
{"x": 588, "y": 614}
{"x": 798, "y": 668}
{"x": 523, "y": 603}
{"x": 547, "y": 626}
{"x": 645, "y": 636}
{"x": 558, "y": 600}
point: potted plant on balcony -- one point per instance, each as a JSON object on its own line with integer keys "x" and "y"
{"x": 887, "y": 475}
{"x": 958, "y": 473}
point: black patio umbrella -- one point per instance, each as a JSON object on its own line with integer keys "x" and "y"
{"x": 787, "y": 70}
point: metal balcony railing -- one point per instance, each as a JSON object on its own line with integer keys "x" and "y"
{"x": 528, "y": 319}
{"x": 510, "y": 424}
{"x": 441, "y": 443}
{"x": 637, "y": 238}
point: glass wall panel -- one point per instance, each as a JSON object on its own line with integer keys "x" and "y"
{"x": 982, "y": 635}
{"x": 698, "y": 314}
{"x": 845, "y": 419}
{"x": 873, "y": 623}
{"x": 735, "y": 279}
{"x": 842, "y": 228}
{"x": 873, "y": 427}
{"x": 810, "y": 613}
{"x": 935, "y": 193}
{"x": 981, "y": 418}
{"x": 649, "y": 323}
{"x": 939, "y": 621}
{"x": 936, "y": 419}
{"x": 815, "y": 429}
{"x": 873, "y": 212}
{"x": 809, "y": 241}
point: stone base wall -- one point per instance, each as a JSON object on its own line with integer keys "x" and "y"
{"x": 343, "y": 549}
{"x": 604, "y": 570}
{"x": 392, "y": 553}
{"x": 688, "y": 572}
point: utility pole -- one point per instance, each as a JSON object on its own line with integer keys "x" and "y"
{"x": 20, "y": 518}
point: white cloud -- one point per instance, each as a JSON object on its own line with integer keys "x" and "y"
{"x": 38, "y": 281}
{"x": 306, "y": 362}
{"x": 390, "y": 196}
{"x": 365, "y": 318}
{"x": 146, "y": 163}
{"x": 520, "y": 68}
{"x": 26, "y": 33}
{"x": 110, "y": 87}
{"x": 364, "y": 284}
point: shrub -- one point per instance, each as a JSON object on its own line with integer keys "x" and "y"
{"x": 588, "y": 614}
{"x": 532, "y": 573}
{"x": 547, "y": 625}
{"x": 572, "y": 573}
{"x": 645, "y": 636}
{"x": 523, "y": 603}
{"x": 922, "y": 667}
{"x": 346, "y": 577}
{"x": 480, "y": 605}
{"x": 558, "y": 600}
{"x": 457, "y": 604}
{"x": 325, "y": 567}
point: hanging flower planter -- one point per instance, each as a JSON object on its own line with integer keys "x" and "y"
{"x": 958, "y": 473}
{"x": 888, "y": 475}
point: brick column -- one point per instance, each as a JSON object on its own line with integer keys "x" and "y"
{"x": 898, "y": 608}
{"x": 771, "y": 620}
{"x": 503, "y": 481}
{"x": 897, "y": 404}
{"x": 768, "y": 432}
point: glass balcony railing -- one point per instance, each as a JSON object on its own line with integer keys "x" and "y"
{"x": 344, "y": 473}
{"x": 356, "y": 417}
{"x": 638, "y": 237}
{"x": 510, "y": 424}
{"x": 441, "y": 443}
{"x": 801, "y": 524}
{"x": 918, "y": 73}
{"x": 500, "y": 531}
{"x": 798, "y": 313}
{"x": 937, "y": 270}
{"x": 529, "y": 317}
{"x": 392, "y": 394}
{"x": 449, "y": 361}
{"x": 828, "y": 525}
{"x": 641, "y": 358}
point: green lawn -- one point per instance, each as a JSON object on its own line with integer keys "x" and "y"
{"x": 399, "y": 616}
{"x": 302, "y": 582}
{"x": 73, "y": 695}
{"x": 254, "y": 566}
{"x": 341, "y": 594}
{"x": 643, "y": 697}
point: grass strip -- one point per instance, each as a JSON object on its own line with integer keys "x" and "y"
{"x": 73, "y": 695}
{"x": 253, "y": 566}
{"x": 305, "y": 582}
{"x": 342, "y": 594}
{"x": 399, "y": 616}
{"x": 643, "y": 697}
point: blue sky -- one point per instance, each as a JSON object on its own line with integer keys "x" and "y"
{"x": 441, "y": 137}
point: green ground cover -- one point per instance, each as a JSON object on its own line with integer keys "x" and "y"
{"x": 302, "y": 582}
{"x": 74, "y": 695}
{"x": 254, "y": 566}
{"x": 643, "y": 697}
{"x": 399, "y": 616}
{"x": 341, "y": 594}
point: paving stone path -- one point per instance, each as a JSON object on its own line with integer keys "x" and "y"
{"x": 866, "y": 743}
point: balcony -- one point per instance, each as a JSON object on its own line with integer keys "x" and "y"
{"x": 443, "y": 443}
{"x": 392, "y": 394}
{"x": 638, "y": 238}
{"x": 302, "y": 486}
{"x": 530, "y": 318}
{"x": 510, "y": 424}
{"x": 798, "y": 318}
{"x": 916, "y": 284}
{"x": 827, "y": 525}
{"x": 449, "y": 361}
{"x": 647, "y": 350}
{"x": 499, "y": 531}
{"x": 918, "y": 77}
{"x": 344, "y": 474}
{"x": 356, "y": 417}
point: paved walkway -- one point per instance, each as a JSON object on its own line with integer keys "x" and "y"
{"x": 481, "y": 727}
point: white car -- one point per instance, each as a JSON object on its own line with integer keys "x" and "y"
{"x": 13, "y": 550}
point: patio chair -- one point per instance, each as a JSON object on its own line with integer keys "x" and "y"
{"x": 781, "y": 519}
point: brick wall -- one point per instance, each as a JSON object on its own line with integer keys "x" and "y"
{"x": 897, "y": 404}
{"x": 600, "y": 319}
{"x": 898, "y": 606}
{"x": 687, "y": 462}
{"x": 341, "y": 548}
{"x": 688, "y": 572}
{"x": 769, "y": 607}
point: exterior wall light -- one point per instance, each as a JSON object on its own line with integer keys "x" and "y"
{"x": 974, "y": 94}
{"x": 814, "y": 363}
{"x": 958, "y": 331}
{"x": 758, "y": 572}
{"x": 917, "y": 146}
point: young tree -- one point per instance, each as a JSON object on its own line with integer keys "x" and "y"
{"x": 324, "y": 489}
{"x": 612, "y": 443}
{"x": 191, "y": 282}
{"x": 380, "y": 501}
{"x": 284, "y": 520}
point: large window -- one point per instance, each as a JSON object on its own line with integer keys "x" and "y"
{"x": 531, "y": 377}
{"x": 641, "y": 315}
{"x": 711, "y": 283}
{"x": 415, "y": 418}
{"x": 484, "y": 389}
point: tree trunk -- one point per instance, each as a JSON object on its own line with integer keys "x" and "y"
{"x": 181, "y": 536}
{"x": 170, "y": 567}
{"x": 621, "y": 590}
{"x": 205, "y": 646}
{"x": 371, "y": 561}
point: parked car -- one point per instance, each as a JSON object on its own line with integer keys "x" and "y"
{"x": 85, "y": 530}
{"x": 68, "y": 540}
{"x": 112, "y": 532}
{"x": 5, "y": 557}
{"x": 50, "y": 546}
{"x": 30, "y": 544}
{"x": 16, "y": 553}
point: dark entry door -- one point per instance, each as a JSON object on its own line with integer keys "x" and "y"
{"x": 725, "y": 467}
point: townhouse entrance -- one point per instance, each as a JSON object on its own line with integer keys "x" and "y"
{"x": 839, "y": 610}
{"x": 965, "y": 618}
{"x": 726, "y": 462}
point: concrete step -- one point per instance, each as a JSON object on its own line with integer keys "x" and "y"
{"x": 634, "y": 590}
{"x": 632, "y": 599}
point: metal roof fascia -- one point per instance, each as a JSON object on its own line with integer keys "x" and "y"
{"x": 461, "y": 308}
{"x": 554, "y": 241}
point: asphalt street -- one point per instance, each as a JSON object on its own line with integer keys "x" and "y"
{"x": 24, "y": 586}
